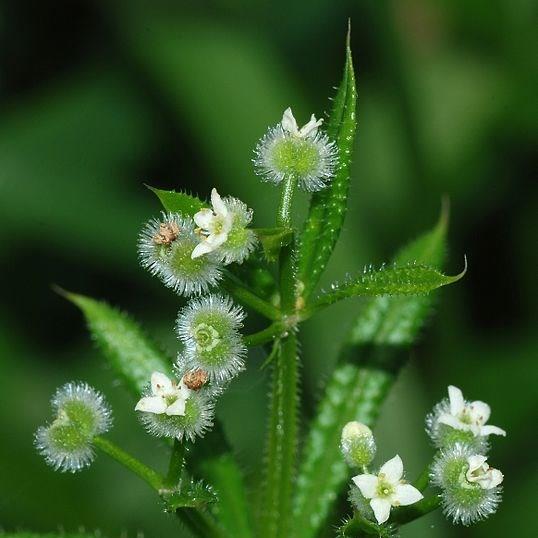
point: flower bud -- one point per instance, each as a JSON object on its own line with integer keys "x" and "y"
{"x": 81, "y": 414}
{"x": 470, "y": 488}
{"x": 357, "y": 444}
{"x": 165, "y": 248}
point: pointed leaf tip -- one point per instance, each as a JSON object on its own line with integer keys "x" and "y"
{"x": 178, "y": 202}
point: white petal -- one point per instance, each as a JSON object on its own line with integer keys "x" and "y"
{"x": 201, "y": 248}
{"x": 288, "y": 122}
{"x": 367, "y": 483}
{"x": 489, "y": 430}
{"x": 177, "y": 408}
{"x": 204, "y": 218}
{"x": 457, "y": 403}
{"x": 311, "y": 128}
{"x": 184, "y": 391}
{"x": 216, "y": 240}
{"x": 480, "y": 412}
{"x": 406, "y": 494}
{"x": 496, "y": 478}
{"x": 475, "y": 462}
{"x": 219, "y": 207}
{"x": 160, "y": 384}
{"x": 393, "y": 469}
{"x": 381, "y": 508}
{"x": 151, "y": 404}
{"x": 452, "y": 421}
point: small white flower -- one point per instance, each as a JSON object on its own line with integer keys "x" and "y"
{"x": 387, "y": 489}
{"x": 167, "y": 397}
{"x": 481, "y": 473}
{"x": 468, "y": 416}
{"x": 171, "y": 409}
{"x": 305, "y": 153}
{"x": 215, "y": 225}
{"x": 470, "y": 489}
{"x": 289, "y": 124}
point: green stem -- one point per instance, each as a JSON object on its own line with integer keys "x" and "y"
{"x": 200, "y": 523}
{"x": 175, "y": 467}
{"x": 282, "y": 441}
{"x": 266, "y": 335}
{"x": 154, "y": 479}
{"x": 246, "y": 296}
{"x": 357, "y": 527}
{"x": 406, "y": 514}
{"x": 283, "y": 217}
{"x": 423, "y": 480}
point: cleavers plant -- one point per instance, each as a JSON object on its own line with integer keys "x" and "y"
{"x": 209, "y": 253}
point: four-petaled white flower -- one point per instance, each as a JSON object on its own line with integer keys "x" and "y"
{"x": 470, "y": 416}
{"x": 214, "y": 224}
{"x": 481, "y": 473}
{"x": 387, "y": 489}
{"x": 167, "y": 397}
{"x": 289, "y": 124}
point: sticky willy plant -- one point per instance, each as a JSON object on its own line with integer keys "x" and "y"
{"x": 210, "y": 254}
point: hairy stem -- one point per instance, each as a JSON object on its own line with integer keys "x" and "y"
{"x": 358, "y": 527}
{"x": 406, "y": 514}
{"x": 423, "y": 480}
{"x": 282, "y": 441}
{"x": 153, "y": 478}
{"x": 200, "y": 523}
{"x": 247, "y": 297}
{"x": 266, "y": 335}
{"x": 283, "y": 217}
{"x": 175, "y": 467}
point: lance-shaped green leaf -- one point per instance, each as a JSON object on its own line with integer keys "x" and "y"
{"x": 130, "y": 352}
{"x": 234, "y": 510}
{"x": 178, "y": 202}
{"x": 368, "y": 364}
{"x": 273, "y": 239}
{"x": 409, "y": 279}
{"x": 328, "y": 207}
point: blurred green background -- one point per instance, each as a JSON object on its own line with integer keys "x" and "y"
{"x": 98, "y": 97}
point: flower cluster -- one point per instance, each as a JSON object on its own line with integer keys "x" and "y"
{"x": 305, "y": 153}
{"x": 187, "y": 253}
{"x": 80, "y": 413}
{"x": 374, "y": 495}
{"x": 213, "y": 354}
{"x": 470, "y": 488}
